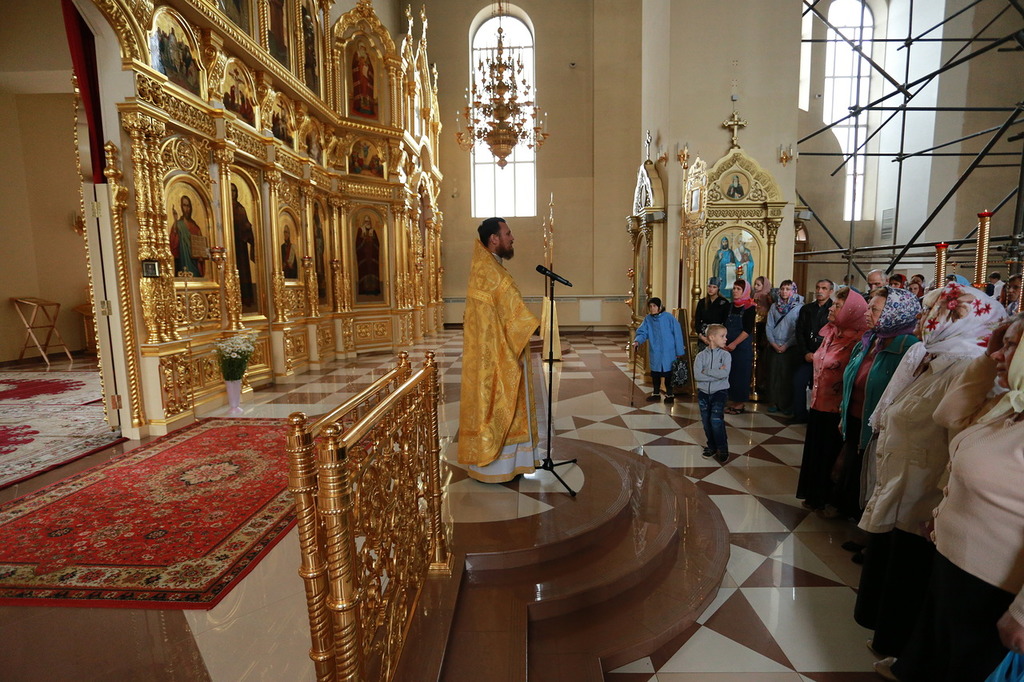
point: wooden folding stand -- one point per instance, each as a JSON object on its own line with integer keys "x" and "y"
{"x": 50, "y": 309}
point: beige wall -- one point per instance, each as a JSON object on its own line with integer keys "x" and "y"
{"x": 995, "y": 80}
{"x": 589, "y": 162}
{"x": 707, "y": 49}
{"x": 39, "y": 195}
{"x": 46, "y": 258}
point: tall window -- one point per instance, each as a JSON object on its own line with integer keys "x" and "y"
{"x": 847, "y": 81}
{"x": 512, "y": 190}
{"x": 806, "y": 33}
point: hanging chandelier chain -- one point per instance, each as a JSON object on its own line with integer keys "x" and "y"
{"x": 499, "y": 109}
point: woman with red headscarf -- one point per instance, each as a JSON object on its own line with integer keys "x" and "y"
{"x": 846, "y": 325}
{"x": 739, "y": 327}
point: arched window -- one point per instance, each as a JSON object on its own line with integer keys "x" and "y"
{"x": 512, "y": 190}
{"x": 847, "y": 84}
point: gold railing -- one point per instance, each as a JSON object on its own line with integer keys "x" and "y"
{"x": 367, "y": 486}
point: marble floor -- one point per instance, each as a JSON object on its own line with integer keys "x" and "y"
{"x": 783, "y": 612}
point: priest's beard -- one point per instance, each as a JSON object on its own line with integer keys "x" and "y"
{"x": 505, "y": 254}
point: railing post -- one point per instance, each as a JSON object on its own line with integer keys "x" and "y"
{"x": 404, "y": 368}
{"x": 441, "y": 557}
{"x": 302, "y": 484}
{"x": 336, "y": 509}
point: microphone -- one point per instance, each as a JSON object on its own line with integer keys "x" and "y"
{"x": 558, "y": 278}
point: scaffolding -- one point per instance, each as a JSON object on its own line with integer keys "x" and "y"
{"x": 915, "y": 252}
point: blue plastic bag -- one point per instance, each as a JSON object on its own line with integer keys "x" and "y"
{"x": 1010, "y": 670}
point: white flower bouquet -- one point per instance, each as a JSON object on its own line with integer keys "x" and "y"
{"x": 233, "y": 353}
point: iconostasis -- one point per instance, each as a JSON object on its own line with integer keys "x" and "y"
{"x": 273, "y": 175}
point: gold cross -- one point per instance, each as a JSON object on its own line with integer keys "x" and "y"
{"x": 734, "y": 123}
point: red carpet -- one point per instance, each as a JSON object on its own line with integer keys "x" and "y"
{"x": 173, "y": 524}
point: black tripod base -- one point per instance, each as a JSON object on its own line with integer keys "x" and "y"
{"x": 548, "y": 465}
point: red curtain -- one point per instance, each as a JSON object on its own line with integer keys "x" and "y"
{"x": 83, "y": 61}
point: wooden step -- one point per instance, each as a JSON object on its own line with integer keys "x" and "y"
{"x": 426, "y": 642}
{"x": 631, "y": 547}
{"x": 637, "y": 622}
{"x": 648, "y": 551}
{"x": 575, "y": 523}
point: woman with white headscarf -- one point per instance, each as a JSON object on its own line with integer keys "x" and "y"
{"x": 910, "y": 460}
{"x": 974, "y": 608}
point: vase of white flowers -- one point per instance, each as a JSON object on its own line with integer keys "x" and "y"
{"x": 233, "y": 355}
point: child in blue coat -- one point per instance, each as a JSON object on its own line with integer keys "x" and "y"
{"x": 664, "y": 336}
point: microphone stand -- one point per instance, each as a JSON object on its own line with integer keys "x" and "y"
{"x": 547, "y": 464}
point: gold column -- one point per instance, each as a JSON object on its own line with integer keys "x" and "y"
{"x": 336, "y": 262}
{"x": 118, "y": 204}
{"x": 441, "y": 559}
{"x": 981, "y": 255}
{"x": 231, "y": 289}
{"x": 940, "y": 264}
{"x": 298, "y": 60}
{"x": 404, "y": 245}
{"x": 438, "y": 267}
{"x": 263, "y": 11}
{"x": 428, "y": 265}
{"x": 309, "y": 279}
{"x": 395, "y": 81}
{"x": 334, "y": 500}
{"x": 345, "y": 252}
{"x": 309, "y": 276}
{"x": 273, "y": 177}
{"x": 336, "y": 286}
{"x": 773, "y": 234}
{"x": 147, "y": 165}
{"x": 302, "y": 485}
{"x": 328, "y": 85}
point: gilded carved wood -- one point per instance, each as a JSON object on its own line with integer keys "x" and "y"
{"x": 212, "y": 106}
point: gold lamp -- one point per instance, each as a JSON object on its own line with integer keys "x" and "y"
{"x": 499, "y": 111}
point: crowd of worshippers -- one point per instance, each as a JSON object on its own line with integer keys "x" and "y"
{"x": 913, "y": 398}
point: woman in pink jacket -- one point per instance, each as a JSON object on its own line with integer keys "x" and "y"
{"x": 845, "y": 328}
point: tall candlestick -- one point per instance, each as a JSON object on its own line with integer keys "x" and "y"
{"x": 940, "y": 264}
{"x": 981, "y": 255}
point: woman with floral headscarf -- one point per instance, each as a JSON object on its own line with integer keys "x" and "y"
{"x": 910, "y": 460}
{"x": 974, "y": 607}
{"x": 891, "y": 316}
{"x": 739, "y": 327}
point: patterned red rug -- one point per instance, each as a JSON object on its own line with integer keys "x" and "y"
{"x": 49, "y": 388}
{"x": 173, "y": 524}
{"x": 48, "y": 419}
{"x": 38, "y": 438}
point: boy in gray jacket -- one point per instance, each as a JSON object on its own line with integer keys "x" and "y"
{"x": 711, "y": 372}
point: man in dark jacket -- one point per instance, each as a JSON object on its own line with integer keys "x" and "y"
{"x": 711, "y": 309}
{"x": 813, "y": 316}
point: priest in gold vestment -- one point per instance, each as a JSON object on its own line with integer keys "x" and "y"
{"x": 497, "y": 415}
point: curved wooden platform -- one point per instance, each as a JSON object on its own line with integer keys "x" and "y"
{"x": 546, "y": 597}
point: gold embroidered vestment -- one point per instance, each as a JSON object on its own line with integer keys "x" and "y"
{"x": 497, "y": 327}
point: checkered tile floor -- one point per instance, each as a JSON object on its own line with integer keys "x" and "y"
{"x": 784, "y": 611}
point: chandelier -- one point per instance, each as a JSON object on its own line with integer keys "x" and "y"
{"x": 498, "y": 110}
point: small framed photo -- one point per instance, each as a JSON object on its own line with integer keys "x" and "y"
{"x": 150, "y": 268}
